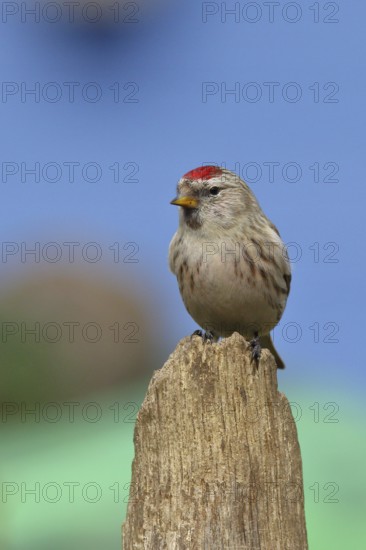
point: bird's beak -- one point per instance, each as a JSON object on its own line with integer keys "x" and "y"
{"x": 186, "y": 202}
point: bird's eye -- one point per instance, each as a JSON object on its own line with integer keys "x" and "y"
{"x": 214, "y": 191}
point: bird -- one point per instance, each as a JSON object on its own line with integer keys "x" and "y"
{"x": 232, "y": 267}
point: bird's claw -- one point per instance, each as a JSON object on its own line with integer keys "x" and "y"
{"x": 256, "y": 349}
{"x": 206, "y": 336}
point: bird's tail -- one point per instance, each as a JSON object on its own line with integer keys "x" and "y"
{"x": 266, "y": 342}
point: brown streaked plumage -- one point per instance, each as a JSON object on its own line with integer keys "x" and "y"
{"x": 229, "y": 259}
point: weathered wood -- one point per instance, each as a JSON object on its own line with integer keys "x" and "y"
{"x": 217, "y": 462}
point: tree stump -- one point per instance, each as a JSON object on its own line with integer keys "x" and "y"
{"x": 217, "y": 462}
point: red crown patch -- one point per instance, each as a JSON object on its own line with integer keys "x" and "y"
{"x": 203, "y": 172}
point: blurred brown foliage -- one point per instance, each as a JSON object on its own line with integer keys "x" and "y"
{"x": 68, "y": 335}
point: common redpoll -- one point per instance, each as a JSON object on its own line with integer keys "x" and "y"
{"x": 231, "y": 264}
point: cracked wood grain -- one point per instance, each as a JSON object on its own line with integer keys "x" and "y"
{"x": 217, "y": 462}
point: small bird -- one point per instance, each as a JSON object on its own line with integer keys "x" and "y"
{"x": 232, "y": 267}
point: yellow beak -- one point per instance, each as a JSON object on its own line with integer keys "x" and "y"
{"x": 186, "y": 202}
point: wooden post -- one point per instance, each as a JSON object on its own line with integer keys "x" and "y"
{"x": 217, "y": 462}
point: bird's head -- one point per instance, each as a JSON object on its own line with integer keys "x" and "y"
{"x": 214, "y": 198}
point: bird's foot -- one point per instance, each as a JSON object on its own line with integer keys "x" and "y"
{"x": 207, "y": 336}
{"x": 256, "y": 348}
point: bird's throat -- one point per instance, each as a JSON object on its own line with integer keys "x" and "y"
{"x": 192, "y": 218}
